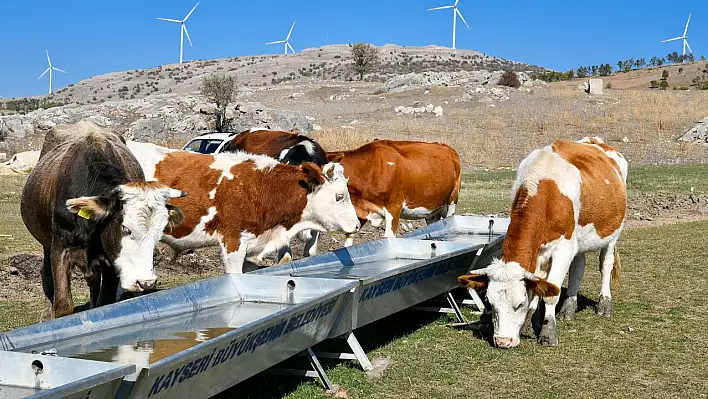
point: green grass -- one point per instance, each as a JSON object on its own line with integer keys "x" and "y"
{"x": 11, "y": 223}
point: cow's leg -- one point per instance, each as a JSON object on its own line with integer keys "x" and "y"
{"x": 93, "y": 281}
{"x": 63, "y": 303}
{"x": 109, "y": 287}
{"x": 285, "y": 254}
{"x": 575, "y": 276}
{"x": 450, "y": 209}
{"x": 607, "y": 261}
{"x": 392, "y": 213}
{"x": 233, "y": 261}
{"x": 47, "y": 286}
{"x": 311, "y": 242}
{"x": 527, "y": 328}
{"x": 561, "y": 259}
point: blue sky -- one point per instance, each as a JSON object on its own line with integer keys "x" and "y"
{"x": 88, "y": 38}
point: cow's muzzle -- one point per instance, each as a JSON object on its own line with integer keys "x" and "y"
{"x": 506, "y": 343}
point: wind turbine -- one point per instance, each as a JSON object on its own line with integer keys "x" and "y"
{"x": 50, "y": 69}
{"x": 286, "y": 41}
{"x": 182, "y": 30}
{"x": 455, "y": 14}
{"x": 684, "y": 37}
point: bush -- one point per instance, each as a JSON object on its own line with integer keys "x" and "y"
{"x": 509, "y": 79}
{"x": 654, "y": 84}
{"x": 219, "y": 89}
{"x": 664, "y": 84}
{"x": 665, "y": 75}
{"x": 608, "y": 85}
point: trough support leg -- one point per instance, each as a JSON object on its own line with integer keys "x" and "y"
{"x": 455, "y": 308}
{"x": 319, "y": 370}
{"x": 359, "y": 352}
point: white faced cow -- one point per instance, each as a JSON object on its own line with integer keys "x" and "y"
{"x": 569, "y": 198}
{"x": 89, "y": 206}
{"x": 250, "y": 205}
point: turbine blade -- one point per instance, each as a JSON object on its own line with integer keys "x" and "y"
{"x": 169, "y": 20}
{"x": 279, "y": 41}
{"x": 456, "y": 1}
{"x": 190, "y": 13}
{"x": 291, "y": 47}
{"x": 459, "y": 14}
{"x": 689, "y": 47}
{"x": 291, "y": 31}
{"x": 689, "y": 20}
{"x": 440, "y": 8}
{"x": 48, "y": 60}
{"x": 669, "y": 40}
{"x": 60, "y": 70}
{"x": 43, "y": 73}
{"x": 184, "y": 27}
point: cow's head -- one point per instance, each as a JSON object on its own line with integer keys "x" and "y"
{"x": 509, "y": 287}
{"x": 131, "y": 220}
{"x": 328, "y": 202}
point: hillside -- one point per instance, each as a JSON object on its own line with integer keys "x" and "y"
{"x": 327, "y": 63}
{"x": 680, "y": 75}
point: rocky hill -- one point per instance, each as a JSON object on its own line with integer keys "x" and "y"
{"x": 328, "y": 63}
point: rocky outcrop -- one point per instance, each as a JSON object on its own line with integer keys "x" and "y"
{"x": 462, "y": 78}
{"x": 155, "y": 118}
{"x": 697, "y": 134}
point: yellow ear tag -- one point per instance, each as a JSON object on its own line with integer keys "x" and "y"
{"x": 84, "y": 213}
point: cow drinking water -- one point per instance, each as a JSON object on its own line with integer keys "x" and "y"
{"x": 569, "y": 198}
{"x": 89, "y": 206}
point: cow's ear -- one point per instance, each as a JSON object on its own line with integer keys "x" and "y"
{"x": 542, "y": 287}
{"x": 335, "y": 157}
{"x": 94, "y": 208}
{"x": 474, "y": 281}
{"x": 174, "y": 219}
{"x": 312, "y": 175}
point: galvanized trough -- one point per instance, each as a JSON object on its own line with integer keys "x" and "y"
{"x": 35, "y": 376}
{"x": 198, "y": 339}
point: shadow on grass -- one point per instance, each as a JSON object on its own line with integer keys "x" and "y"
{"x": 371, "y": 337}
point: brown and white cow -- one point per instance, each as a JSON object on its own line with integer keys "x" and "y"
{"x": 250, "y": 205}
{"x": 392, "y": 180}
{"x": 569, "y": 198}
{"x": 88, "y": 204}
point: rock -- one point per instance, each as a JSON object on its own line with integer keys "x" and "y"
{"x": 438, "y": 111}
{"x": 426, "y": 92}
{"x": 309, "y": 118}
{"x": 461, "y": 78}
{"x": 347, "y": 127}
{"x": 295, "y": 95}
{"x": 23, "y": 162}
{"x": 697, "y": 134}
{"x": 14, "y": 271}
{"x": 352, "y": 90}
{"x": 595, "y": 86}
{"x": 316, "y": 127}
{"x": 354, "y": 122}
{"x": 3, "y": 156}
{"x": 399, "y": 108}
{"x": 408, "y": 110}
{"x": 419, "y": 110}
{"x": 429, "y": 108}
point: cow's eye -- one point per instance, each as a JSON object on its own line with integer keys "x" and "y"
{"x": 126, "y": 231}
{"x": 517, "y": 307}
{"x": 339, "y": 197}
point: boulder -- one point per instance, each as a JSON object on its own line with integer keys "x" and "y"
{"x": 438, "y": 111}
{"x": 697, "y": 134}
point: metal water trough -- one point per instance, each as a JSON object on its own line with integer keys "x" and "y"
{"x": 201, "y": 338}
{"x": 41, "y": 376}
{"x": 198, "y": 339}
{"x": 397, "y": 273}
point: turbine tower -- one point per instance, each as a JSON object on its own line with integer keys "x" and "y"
{"x": 455, "y": 14}
{"x": 182, "y": 30}
{"x": 684, "y": 37}
{"x": 49, "y": 69}
{"x": 286, "y": 41}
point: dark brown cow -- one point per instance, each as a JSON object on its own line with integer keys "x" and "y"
{"x": 390, "y": 180}
{"x": 286, "y": 147}
{"x": 89, "y": 206}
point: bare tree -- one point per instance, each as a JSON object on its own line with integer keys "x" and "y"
{"x": 365, "y": 57}
{"x": 219, "y": 89}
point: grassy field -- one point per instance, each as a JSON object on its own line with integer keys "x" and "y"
{"x": 652, "y": 347}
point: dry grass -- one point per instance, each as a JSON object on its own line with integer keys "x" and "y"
{"x": 500, "y": 136}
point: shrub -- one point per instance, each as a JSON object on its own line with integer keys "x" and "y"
{"x": 219, "y": 89}
{"x": 654, "y": 84}
{"x": 509, "y": 79}
{"x": 665, "y": 75}
{"x": 664, "y": 84}
{"x": 608, "y": 85}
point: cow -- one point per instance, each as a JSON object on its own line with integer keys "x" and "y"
{"x": 286, "y": 147}
{"x": 390, "y": 180}
{"x": 88, "y": 205}
{"x": 23, "y": 162}
{"x": 250, "y": 205}
{"x": 569, "y": 198}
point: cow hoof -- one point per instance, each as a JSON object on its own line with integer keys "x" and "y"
{"x": 570, "y": 306}
{"x": 285, "y": 259}
{"x": 549, "y": 336}
{"x": 527, "y": 329}
{"x": 604, "y": 308}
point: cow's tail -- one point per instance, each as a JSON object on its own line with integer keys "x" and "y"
{"x": 616, "y": 268}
